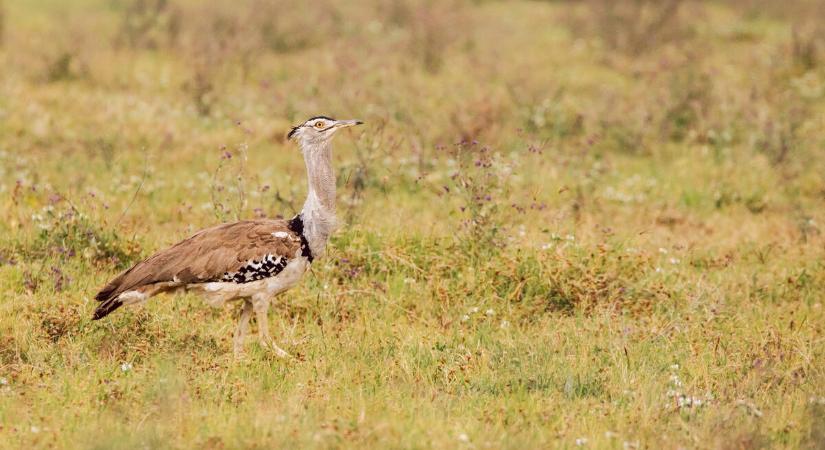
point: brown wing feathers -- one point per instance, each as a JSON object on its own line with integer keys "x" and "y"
{"x": 203, "y": 257}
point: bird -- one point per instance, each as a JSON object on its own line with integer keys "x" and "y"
{"x": 252, "y": 261}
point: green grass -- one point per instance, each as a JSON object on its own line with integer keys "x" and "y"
{"x": 648, "y": 271}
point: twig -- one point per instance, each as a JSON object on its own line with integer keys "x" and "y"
{"x": 140, "y": 186}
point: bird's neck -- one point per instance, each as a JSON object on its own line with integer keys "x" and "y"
{"x": 319, "y": 208}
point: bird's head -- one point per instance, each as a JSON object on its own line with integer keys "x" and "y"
{"x": 319, "y": 130}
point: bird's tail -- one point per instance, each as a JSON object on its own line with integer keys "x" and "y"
{"x": 108, "y": 297}
{"x": 105, "y": 308}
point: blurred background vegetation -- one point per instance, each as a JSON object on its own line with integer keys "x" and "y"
{"x": 555, "y": 208}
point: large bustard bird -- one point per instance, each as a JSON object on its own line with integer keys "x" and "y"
{"x": 250, "y": 260}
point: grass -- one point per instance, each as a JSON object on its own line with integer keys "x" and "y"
{"x": 552, "y": 236}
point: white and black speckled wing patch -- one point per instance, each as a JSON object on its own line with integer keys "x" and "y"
{"x": 254, "y": 270}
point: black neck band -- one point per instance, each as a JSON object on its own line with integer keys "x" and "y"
{"x": 296, "y": 225}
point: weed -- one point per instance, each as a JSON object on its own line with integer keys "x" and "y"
{"x": 646, "y": 190}
{"x": 480, "y": 184}
{"x": 551, "y": 119}
{"x": 148, "y": 24}
{"x": 65, "y": 232}
{"x": 229, "y": 189}
{"x": 690, "y": 102}
{"x": 570, "y": 278}
{"x": 58, "y": 322}
{"x": 433, "y": 27}
{"x": 637, "y": 26}
{"x": 63, "y": 67}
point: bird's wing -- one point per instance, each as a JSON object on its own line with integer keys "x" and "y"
{"x": 209, "y": 255}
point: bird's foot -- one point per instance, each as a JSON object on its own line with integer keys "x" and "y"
{"x": 239, "y": 354}
{"x": 272, "y": 346}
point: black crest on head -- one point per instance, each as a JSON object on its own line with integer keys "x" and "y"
{"x": 292, "y": 132}
{"x": 295, "y": 128}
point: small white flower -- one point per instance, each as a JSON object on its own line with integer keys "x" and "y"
{"x": 547, "y": 246}
{"x": 674, "y": 261}
{"x": 674, "y": 367}
{"x": 125, "y": 367}
{"x": 409, "y": 280}
{"x": 505, "y": 324}
{"x": 663, "y": 250}
{"x": 659, "y": 270}
{"x": 473, "y": 310}
{"x": 570, "y": 237}
{"x": 463, "y": 437}
{"x": 686, "y": 401}
{"x": 490, "y": 312}
{"x": 581, "y": 441}
{"x": 35, "y": 429}
{"x": 4, "y": 381}
{"x": 465, "y": 318}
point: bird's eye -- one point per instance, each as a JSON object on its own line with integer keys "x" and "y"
{"x": 319, "y": 124}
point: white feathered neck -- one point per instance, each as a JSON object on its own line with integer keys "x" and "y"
{"x": 319, "y": 208}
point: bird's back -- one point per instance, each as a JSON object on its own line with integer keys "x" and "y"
{"x": 236, "y": 252}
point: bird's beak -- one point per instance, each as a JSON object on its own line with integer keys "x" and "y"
{"x": 347, "y": 123}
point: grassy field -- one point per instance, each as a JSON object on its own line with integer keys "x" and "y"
{"x": 566, "y": 224}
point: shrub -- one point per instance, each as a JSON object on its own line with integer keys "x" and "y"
{"x": 433, "y": 26}
{"x": 480, "y": 183}
{"x": 219, "y": 39}
{"x": 148, "y": 24}
{"x": 689, "y": 102}
{"x": 69, "y": 233}
{"x": 569, "y": 277}
{"x": 552, "y": 119}
{"x": 808, "y": 43}
{"x": 634, "y": 26}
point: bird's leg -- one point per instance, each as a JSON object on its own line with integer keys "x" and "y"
{"x": 261, "y": 306}
{"x": 243, "y": 327}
